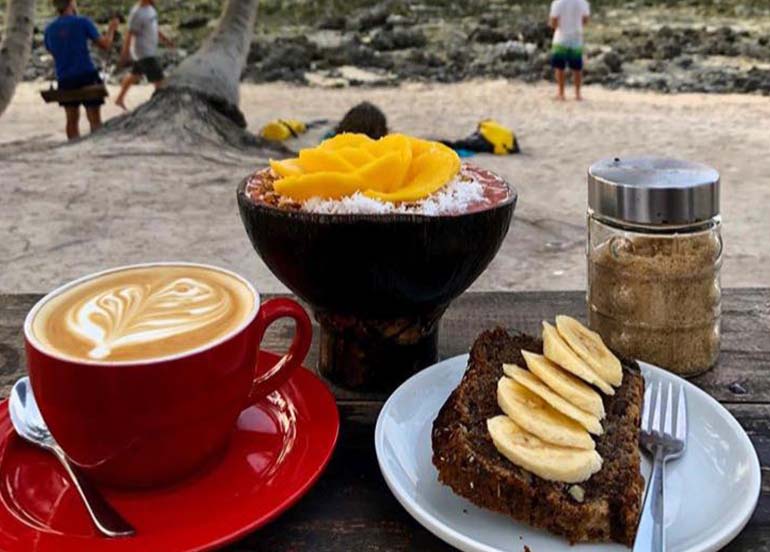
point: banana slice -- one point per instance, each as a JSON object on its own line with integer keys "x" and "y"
{"x": 557, "y": 351}
{"x": 589, "y": 346}
{"x": 565, "y": 384}
{"x": 539, "y": 418}
{"x": 545, "y": 460}
{"x": 533, "y": 383}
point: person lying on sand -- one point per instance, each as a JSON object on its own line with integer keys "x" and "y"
{"x": 567, "y": 19}
{"x": 363, "y": 118}
{"x": 366, "y": 118}
{"x": 141, "y": 46}
{"x": 67, "y": 37}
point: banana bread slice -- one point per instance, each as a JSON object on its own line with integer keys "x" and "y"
{"x": 604, "y": 508}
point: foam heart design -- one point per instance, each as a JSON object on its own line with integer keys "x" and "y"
{"x": 136, "y": 314}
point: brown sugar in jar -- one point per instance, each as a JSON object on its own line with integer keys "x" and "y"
{"x": 654, "y": 259}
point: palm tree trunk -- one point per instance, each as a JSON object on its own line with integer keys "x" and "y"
{"x": 215, "y": 69}
{"x": 15, "y": 47}
{"x": 199, "y": 103}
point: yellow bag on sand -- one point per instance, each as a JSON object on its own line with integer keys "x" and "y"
{"x": 502, "y": 139}
{"x": 283, "y": 129}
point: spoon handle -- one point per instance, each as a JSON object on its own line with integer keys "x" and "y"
{"x": 107, "y": 520}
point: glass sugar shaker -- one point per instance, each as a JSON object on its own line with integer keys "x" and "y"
{"x": 654, "y": 258}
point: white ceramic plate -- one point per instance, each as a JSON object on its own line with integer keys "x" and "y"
{"x": 711, "y": 491}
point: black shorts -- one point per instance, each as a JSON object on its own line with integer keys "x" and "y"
{"x": 79, "y": 81}
{"x": 149, "y": 67}
{"x": 563, "y": 57}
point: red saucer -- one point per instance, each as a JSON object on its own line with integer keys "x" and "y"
{"x": 279, "y": 448}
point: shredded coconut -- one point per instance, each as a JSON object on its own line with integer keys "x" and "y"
{"x": 455, "y": 197}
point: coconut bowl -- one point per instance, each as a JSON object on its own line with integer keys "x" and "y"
{"x": 377, "y": 284}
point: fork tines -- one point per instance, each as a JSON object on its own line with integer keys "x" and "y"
{"x": 664, "y": 414}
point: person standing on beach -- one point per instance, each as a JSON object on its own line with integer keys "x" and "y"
{"x": 141, "y": 46}
{"x": 67, "y": 37}
{"x": 567, "y": 19}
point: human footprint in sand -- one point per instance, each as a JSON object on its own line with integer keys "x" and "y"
{"x": 567, "y": 19}
{"x": 141, "y": 47}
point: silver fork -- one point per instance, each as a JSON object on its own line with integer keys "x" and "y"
{"x": 664, "y": 435}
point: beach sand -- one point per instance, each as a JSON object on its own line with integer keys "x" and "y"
{"x": 62, "y": 219}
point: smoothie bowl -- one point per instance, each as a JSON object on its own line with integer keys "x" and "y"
{"x": 378, "y": 237}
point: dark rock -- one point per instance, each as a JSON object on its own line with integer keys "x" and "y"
{"x": 257, "y": 52}
{"x": 459, "y": 56}
{"x": 755, "y": 50}
{"x": 722, "y": 42}
{"x": 613, "y": 62}
{"x": 194, "y": 21}
{"x": 398, "y": 39}
{"x": 333, "y": 23}
{"x": 715, "y": 47}
{"x": 684, "y": 62}
{"x": 668, "y": 50}
{"x": 354, "y": 52}
{"x": 283, "y": 74}
{"x": 535, "y": 31}
{"x": 647, "y": 49}
{"x": 660, "y": 84}
{"x": 421, "y": 57}
{"x": 369, "y": 18}
{"x": 513, "y": 51}
{"x": 489, "y": 19}
{"x": 596, "y": 73}
{"x": 291, "y": 54}
{"x": 757, "y": 80}
{"x": 726, "y": 34}
{"x": 488, "y": 35}
{"x": 398, "y": 20}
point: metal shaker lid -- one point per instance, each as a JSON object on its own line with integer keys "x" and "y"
{"x": 653, "y": 190}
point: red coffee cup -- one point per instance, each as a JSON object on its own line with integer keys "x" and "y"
{"x": 152, "y": 422}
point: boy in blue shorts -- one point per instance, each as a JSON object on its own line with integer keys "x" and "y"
{"x": 67, "y": 38}
{"x": 567, "y": 19}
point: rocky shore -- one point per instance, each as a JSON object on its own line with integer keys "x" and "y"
{"x": 642, "y": 44}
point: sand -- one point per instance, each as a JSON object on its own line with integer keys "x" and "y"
{"x": 62, "y": 219}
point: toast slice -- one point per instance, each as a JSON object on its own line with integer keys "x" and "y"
{"x": 604, "y": 508}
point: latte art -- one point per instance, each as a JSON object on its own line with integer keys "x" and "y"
{"x": 137, "y": 314}
{"x": 143, "y": 313}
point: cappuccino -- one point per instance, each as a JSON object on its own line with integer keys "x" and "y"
{"x": 143, "y": 313}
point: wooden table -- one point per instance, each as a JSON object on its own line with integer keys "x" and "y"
{"x": 351, "y": 509}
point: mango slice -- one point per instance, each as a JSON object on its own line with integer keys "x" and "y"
{"x": 318, "y": 160}
{"x": 386, "y": 173}
{"x": 391, "y": 142}
{"x": 420, "y": 146}
{"x": 357, "y": 157}
{"x": 287, "y": 167}
{"x": 346, "y": 140}
{"x": 321, "y": 184}
{"x": 429, "y": 172}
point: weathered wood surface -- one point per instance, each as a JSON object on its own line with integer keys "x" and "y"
{"x": 351, "y": 508}
{"x": 745, "y": 358}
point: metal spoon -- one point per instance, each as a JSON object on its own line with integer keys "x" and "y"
{"x": 29, "y": 424}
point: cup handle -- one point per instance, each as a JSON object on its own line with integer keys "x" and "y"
{"x": 269, "y": 312}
